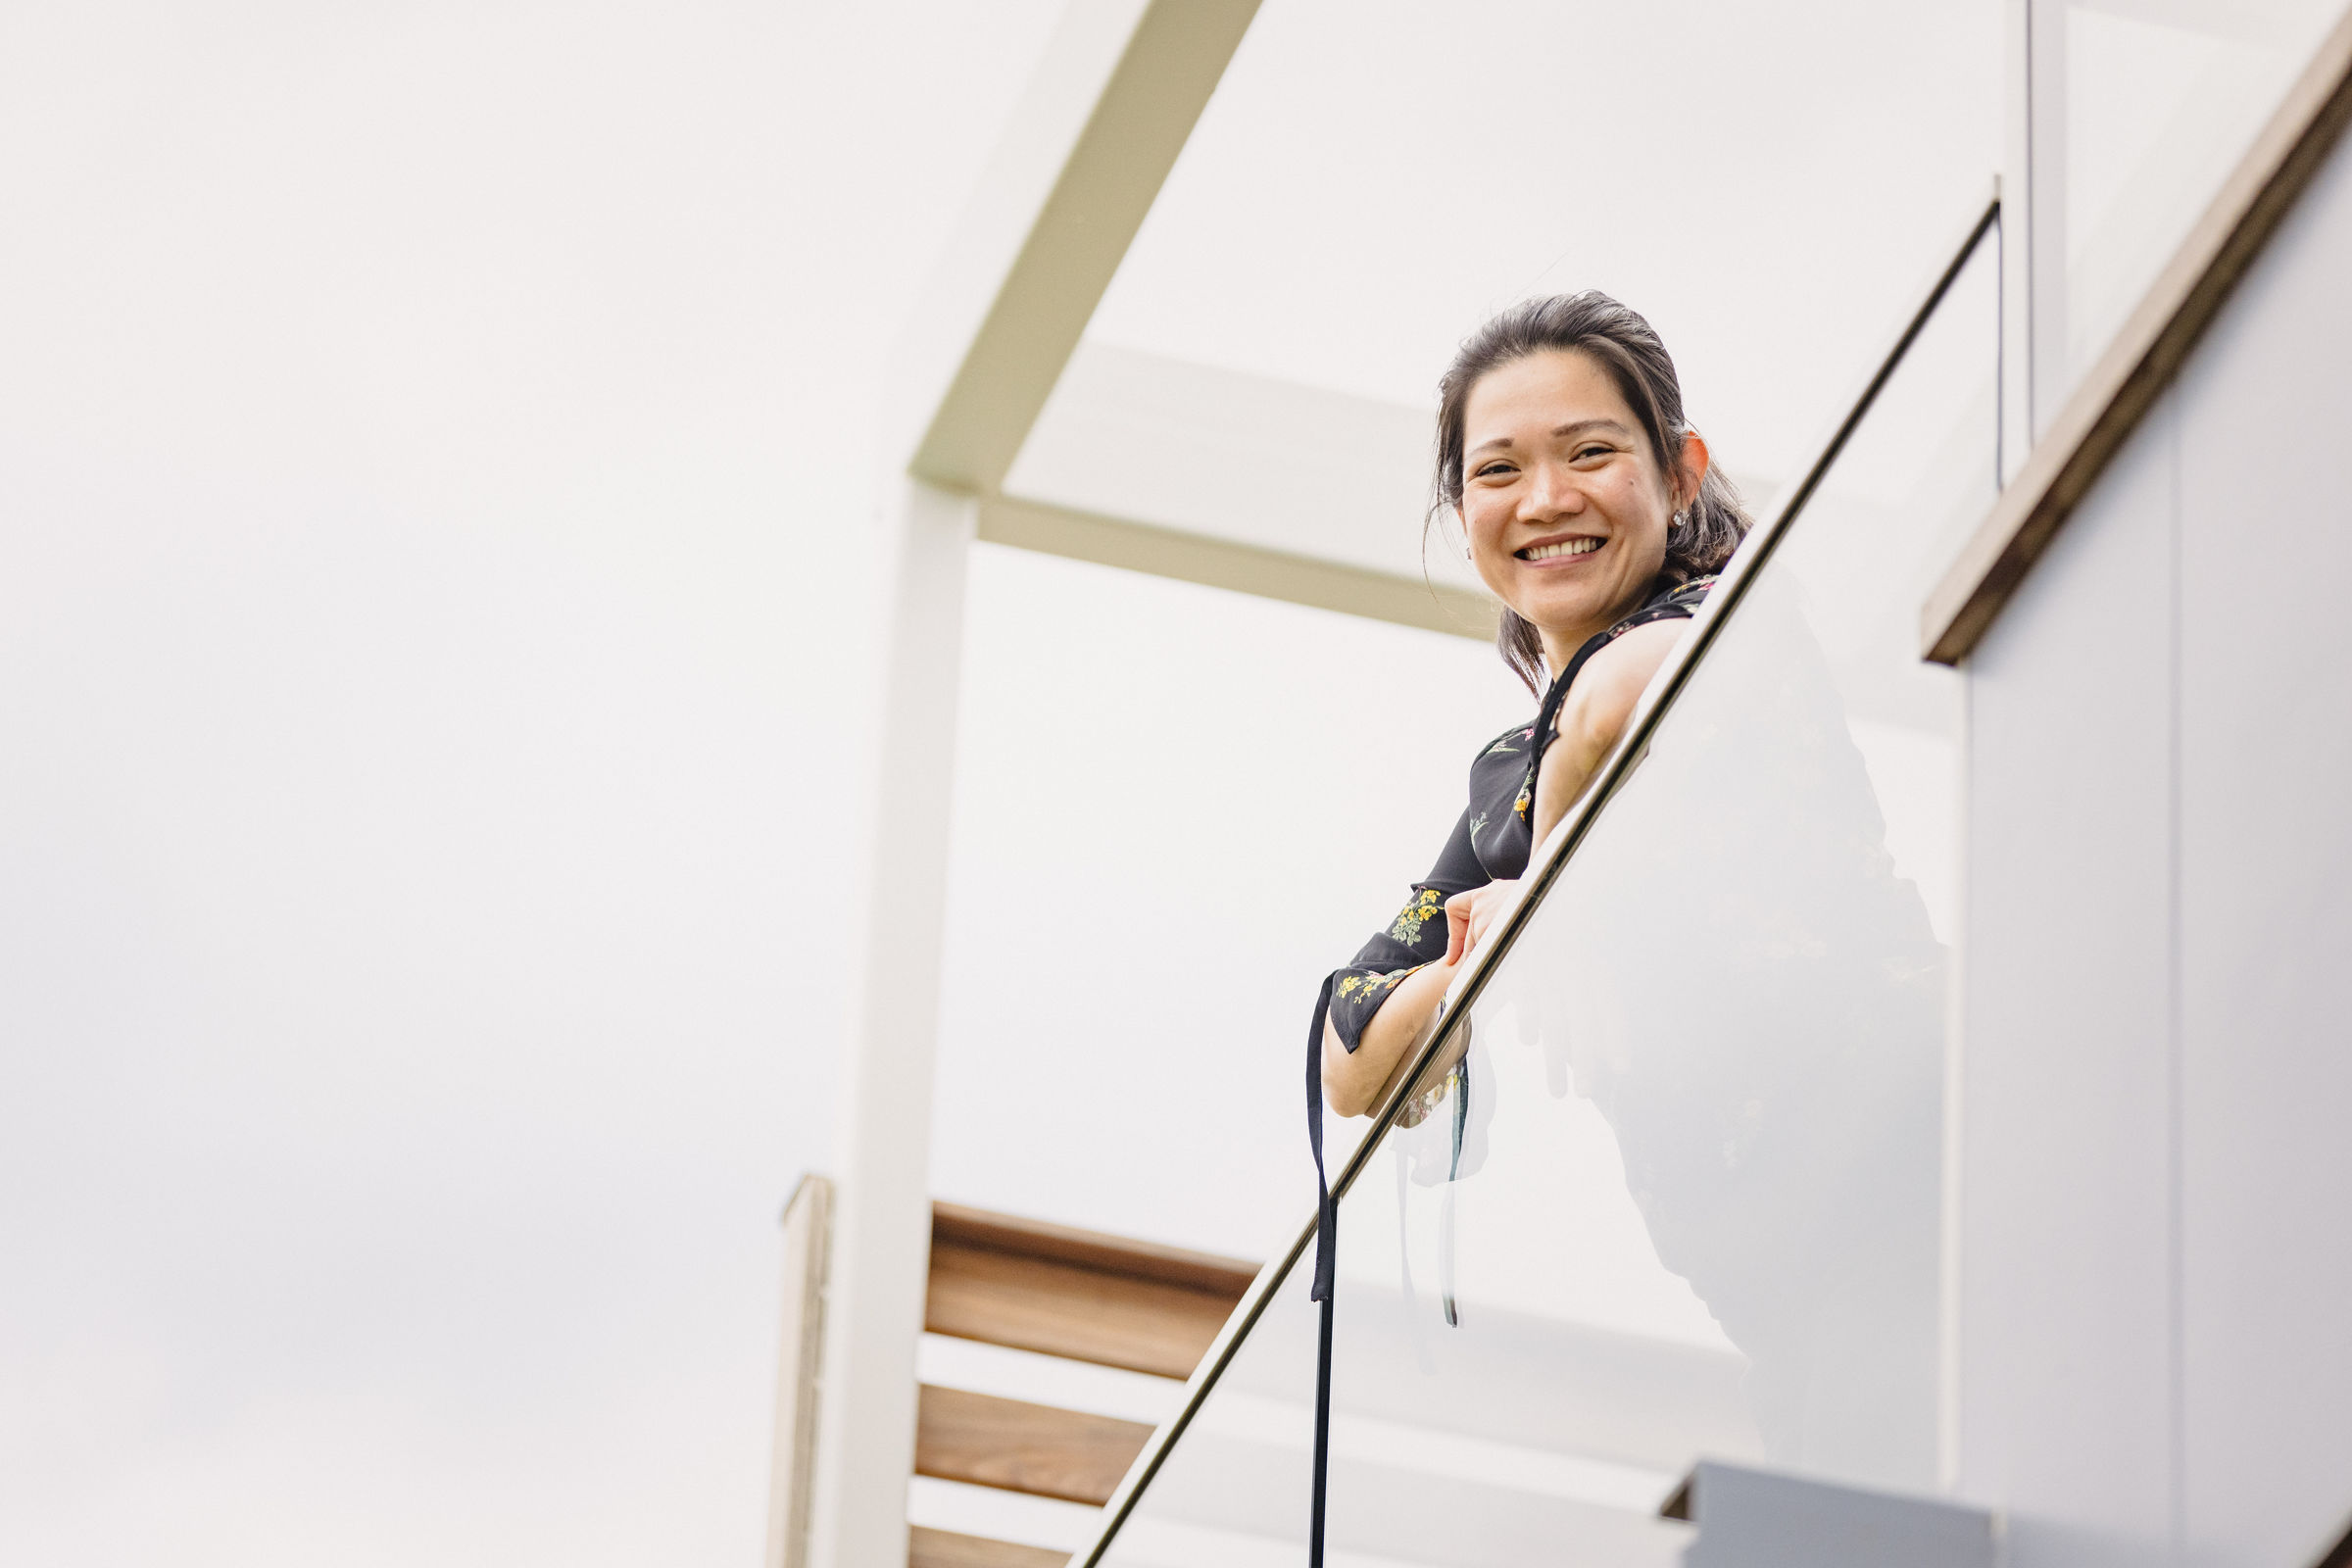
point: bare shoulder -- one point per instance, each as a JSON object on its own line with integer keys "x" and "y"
{"x": 1615, "y": 675}
{"x": 1646, "y": 645}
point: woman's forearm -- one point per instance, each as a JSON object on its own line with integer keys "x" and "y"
{"x": 1354, "y": 1082}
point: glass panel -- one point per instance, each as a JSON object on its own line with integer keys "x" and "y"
{"x": 1235, "y": 1487}
{"x": 2161, "y": 103}
{"x": 1679, "y": 1197}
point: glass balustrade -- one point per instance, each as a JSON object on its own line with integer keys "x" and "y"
{"x": 1670, "y": 1186}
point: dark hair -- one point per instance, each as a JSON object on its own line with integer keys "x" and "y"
{"x": 1700, "y": 539}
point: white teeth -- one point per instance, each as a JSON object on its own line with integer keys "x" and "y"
{"x": 1566, "y": 547}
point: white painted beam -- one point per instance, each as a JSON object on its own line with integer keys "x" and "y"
{"x": 1300, "y": 471}
{"x": 1119, "y": 89}
{"x": 1239, "y": 481}
{"x": 1121, "y": 86}
{"x": 1243, "y": 569}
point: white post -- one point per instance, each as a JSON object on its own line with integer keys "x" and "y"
{"x": 1084, "y": 156}
{"x": 2033, "y": 225}
{"x": 2016, "y": 271}
{"x": 882, "y": 1229}
{"x": 800, "y": 1349}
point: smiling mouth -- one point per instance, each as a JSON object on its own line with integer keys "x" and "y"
{"x": 1566, "y": 547}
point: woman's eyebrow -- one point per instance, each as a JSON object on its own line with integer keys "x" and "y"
{"x": 1580, "y": 426}
{"x": 1572, "y": 428}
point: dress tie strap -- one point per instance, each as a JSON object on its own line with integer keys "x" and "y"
{"x": 1327, "y": 1218}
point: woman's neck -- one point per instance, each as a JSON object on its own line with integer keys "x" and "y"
{"x": 1560, "y": 646}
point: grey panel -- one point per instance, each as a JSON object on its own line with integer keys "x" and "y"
{"x": 1759, "y": 1519}
{"x": 2065, "y": 1219}
{"x": 2265, "y": 865}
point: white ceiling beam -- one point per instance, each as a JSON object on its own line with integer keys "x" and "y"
{"x": 1240, "y": 567}
{"x": 1296, "y": 470}
{"x": 1089, "y": 146}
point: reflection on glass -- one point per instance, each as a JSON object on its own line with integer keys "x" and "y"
{"x": 1675, "y": 1191}
{"x": 1735, "y": 978}
{"x": 2161, "y": 103}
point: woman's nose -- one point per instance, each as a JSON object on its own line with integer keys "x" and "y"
{"x": 1551, "y": 491}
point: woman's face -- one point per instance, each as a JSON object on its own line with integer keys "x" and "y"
{"x": 1564, "y": 505}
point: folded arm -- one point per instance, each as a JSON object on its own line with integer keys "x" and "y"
{"x": 1354, "y": 1083}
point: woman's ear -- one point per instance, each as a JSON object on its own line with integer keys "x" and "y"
{"x": 1693, "y": 471}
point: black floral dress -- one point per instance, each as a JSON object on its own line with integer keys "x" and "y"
{"x": 1491, "y": 843}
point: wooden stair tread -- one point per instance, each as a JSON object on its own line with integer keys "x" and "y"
{"x": 944, "y": 1549}
{"x": 1019, "y": 1447}
{"x": 1061, "y": 1291}
{"x": 957, "y": 1225}
{"x": 1077, "y": 1294}
{"x": 1081, "y": 1314}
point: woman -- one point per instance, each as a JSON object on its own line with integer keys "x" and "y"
{"x": 1591, "y": 511}
{"x": 1766, "y": 1050}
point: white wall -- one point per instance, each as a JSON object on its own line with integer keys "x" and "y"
{"x": 430, "y": 583}
{"x": 2157, "y": 1232}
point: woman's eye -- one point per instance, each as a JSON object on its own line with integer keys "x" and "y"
{"x": 1488, "y": 470}
{"x": 1587, "y": 454}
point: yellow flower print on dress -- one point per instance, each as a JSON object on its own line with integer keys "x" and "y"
{"x": 1417, "y": 915}
{"x": 1359, "y": 987}
{"x": 1409, "y": 921}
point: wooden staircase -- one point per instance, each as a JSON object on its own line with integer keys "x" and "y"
{"x": 1077, "y": 1294}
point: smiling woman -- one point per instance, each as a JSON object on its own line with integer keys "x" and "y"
{"x": 1591, "y": 511}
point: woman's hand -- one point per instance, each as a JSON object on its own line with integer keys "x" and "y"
{"x": 1468, "y": 916}
{"x": 1356, "y": 1082}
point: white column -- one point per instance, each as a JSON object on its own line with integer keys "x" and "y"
{"x": 882, "y": 1235}
{"x": 2017, "y": 273}
{"x": 2033, "y": 225}
{"x": 1081, "y": 162}
{"x": 800, "y": 1349}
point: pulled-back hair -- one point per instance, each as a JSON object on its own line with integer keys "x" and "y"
{"x": 1700, "y": 539}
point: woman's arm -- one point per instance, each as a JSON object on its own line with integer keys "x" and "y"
{"x": 1595, "y": 714}
{"x": 1590, "y": 724}
{"x": 1354, "y": 1082}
